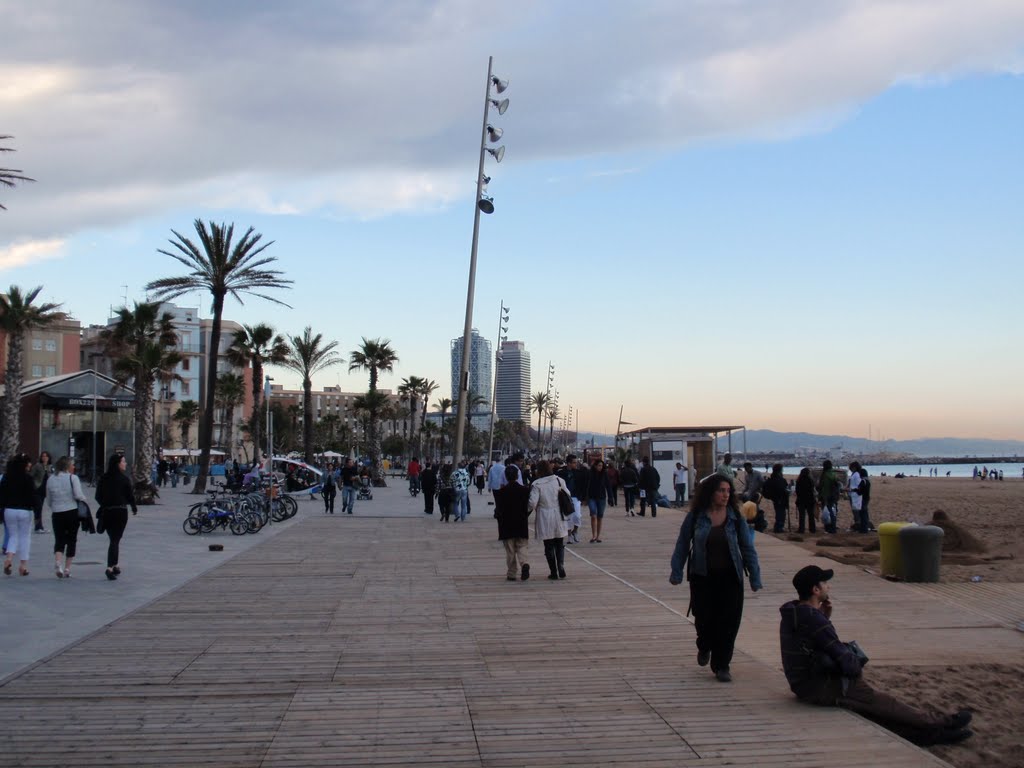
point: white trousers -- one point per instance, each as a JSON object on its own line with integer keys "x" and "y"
{"x": 19, "y": 526}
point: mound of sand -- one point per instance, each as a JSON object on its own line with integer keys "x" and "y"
{"x": 956, "y": 538}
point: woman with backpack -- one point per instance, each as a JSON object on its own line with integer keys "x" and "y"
{"x": 716, "y": 541}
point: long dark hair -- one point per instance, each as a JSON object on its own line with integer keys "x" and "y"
{"x": 17, "y": 463}
{"x": 706, "y": 492}
{"x": 114, "y": 463}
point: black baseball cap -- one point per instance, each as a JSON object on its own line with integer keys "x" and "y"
{"x": 809, "y": 577}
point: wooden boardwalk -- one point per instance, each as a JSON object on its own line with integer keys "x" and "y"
{"x": 355, "y": 641}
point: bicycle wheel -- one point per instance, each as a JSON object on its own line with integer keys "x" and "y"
{"x": 193, "y": 525}
{"x": 239, "y": 524}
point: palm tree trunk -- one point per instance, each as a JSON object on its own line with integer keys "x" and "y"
{"x": 257, "y": 391}
{"x": 12, "y": 400}
{"x": 307, "y": 421}
{"x": 206, "y": 424}
{"x": 142, "y": 476}
{"x": 229, "y": 425}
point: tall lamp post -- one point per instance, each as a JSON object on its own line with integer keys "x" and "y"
{"x": 502, "y": 329}
{"x": 485, "y": 204}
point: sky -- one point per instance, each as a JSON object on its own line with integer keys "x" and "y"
{"x": 800, "y": 216}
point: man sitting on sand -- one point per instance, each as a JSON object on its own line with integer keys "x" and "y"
{"x": 824, "y": 671}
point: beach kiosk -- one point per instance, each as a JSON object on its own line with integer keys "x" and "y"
{"x": 695, "y": 447}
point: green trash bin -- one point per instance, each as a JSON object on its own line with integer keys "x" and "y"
{"x": 889, "y": 545}
{"x": 921, "y": 549}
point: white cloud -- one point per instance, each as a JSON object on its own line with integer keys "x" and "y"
{"x": 29, "y": 252}
{"x": 369, "y": 108}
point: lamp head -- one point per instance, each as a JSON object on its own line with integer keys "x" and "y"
{"x": 493, "y": 134}
{"x": 486, "y": 204}
{"x": 499, "y": 84}
{"x": 497, "y": 153}
{"x": 501, "y": 106}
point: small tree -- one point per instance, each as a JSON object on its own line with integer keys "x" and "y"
{"x": 230, "y": 394}
{"x": 185, "y": 417}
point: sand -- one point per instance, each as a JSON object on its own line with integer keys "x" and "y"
{"x": 989, "y": 514}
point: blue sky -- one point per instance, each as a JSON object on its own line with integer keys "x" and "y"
{"x": 794, "y": 216}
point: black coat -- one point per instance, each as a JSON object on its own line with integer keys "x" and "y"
{"x": 428, "y": 480}
{"x": 114, "y": 489}
{"x": 650, "y": 480}
{"x": 512, "y": 509}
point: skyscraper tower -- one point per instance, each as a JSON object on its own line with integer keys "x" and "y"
{"x": 480, "y": 370}
{"x": 512, "y": 393}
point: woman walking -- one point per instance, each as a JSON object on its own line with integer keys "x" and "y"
{"x": 629, "y": 479}
{"x": 17, "y": 499}
{"x": 63, "y": 492}
{"x": 716, "y": 540}
{"x": 548, "y": 524}
{"x": 114, "y": 495}
{"x": 597, "y": 498}
{"x": 445, "y": 492}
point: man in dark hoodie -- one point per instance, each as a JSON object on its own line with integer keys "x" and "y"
{"x": 823, "y": 670}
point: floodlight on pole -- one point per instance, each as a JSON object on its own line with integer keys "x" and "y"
{"x": 482, "y": 204}
{"x": 502, "y": 319}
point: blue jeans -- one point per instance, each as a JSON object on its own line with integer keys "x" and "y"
{"x": 597, "y": 507}
{"x": 348, "y": 498}
{"x": 459, "y": 505}
{"x": 829, "y": 514}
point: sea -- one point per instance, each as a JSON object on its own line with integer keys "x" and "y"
{"x": 1010, "y": 470}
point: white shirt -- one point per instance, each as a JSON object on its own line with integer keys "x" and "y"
{"x": 63, "y": 492}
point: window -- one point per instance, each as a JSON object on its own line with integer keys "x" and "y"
{"x": 51, "y": 370}
{"x": 185, "y": 364}
{"x": 51, "y": 345}
{"x": 184, "y": 388}
{"x": 37, "y": 345}
{"x": 37, "y": 371}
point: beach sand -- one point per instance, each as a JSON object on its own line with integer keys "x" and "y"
{"x": 993, "y": 512}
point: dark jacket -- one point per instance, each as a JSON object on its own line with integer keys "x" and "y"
{"x": 512, "y": 508}
{"x": 428, "y": 479}
{"x": 114, "y": 489}
{"x": 628, "y": 476}
{"x": 597, "y": 488}
{"x": 776, "y": 489}
{"x": 649, "y": 478}
{"x": 805, "y": 495}
{"x": 803, "y": 631}
{"x": 18, "y": 491}
{"x": 576, "y": 480}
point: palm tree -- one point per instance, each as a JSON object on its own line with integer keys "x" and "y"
{"x": 427, "y": 388}
{"x": 307, "y": 356}
{"x": 443, "y": 405}
{"x": 230, "y": 395}
{"x": 539, "y": 403}
{"x": 9, "y": 177}
{"x": 410, "y": 391}
{"x": 222, "y": 268}
{"x": 18, "y": 315}
{"x": 257, "y": 345}
{"x": 186, "y": 416}
{"x": 552, "y": 418}
{"x": 428, "y": 430}
{"x": 374, "y": 355}
{"x": 142, "y": 346}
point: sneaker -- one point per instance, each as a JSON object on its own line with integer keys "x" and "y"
{"x": 510, "y": 578}
{"x": 561, "y": 572}
{"x": 703, "y": 657}
{"x": 723, "y": 676}
{"x": 526, "y": 572}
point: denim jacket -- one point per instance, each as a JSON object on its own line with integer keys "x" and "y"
{"x": 741, "y": 547}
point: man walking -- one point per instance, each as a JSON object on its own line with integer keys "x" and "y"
{"x": 330, "y": 488}
{"x": 650, "y": 482}
{"x": 349, "y": 479}
{"x": 679, "y": 477}
{"x": 428, "y": 483}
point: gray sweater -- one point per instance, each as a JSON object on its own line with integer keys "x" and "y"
{"x": 63, "y": 492}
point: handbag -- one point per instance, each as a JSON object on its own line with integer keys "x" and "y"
{"x": 84, "y": 513}
{"x": 100, "y": 527}
{"x": 565, "y": 506}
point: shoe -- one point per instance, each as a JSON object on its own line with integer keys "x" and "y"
{"x": 67, "y": 574}
{"x": 561, "y": 572}
{"x": 723, "y": 676}
{"x": 116, "y": 570}
{"x": 961, "y": 719}
{"x": 510, "y": 578}
{"x": 7, "y": 569}
{"x": 593, "y": 540}
{"x": 703, "y": 657}
{"x": 597, "y": 540}
{"x": 526, "y": 572}
{"x": 553, "y": 576}
{"x": 23, "y": 571}
{"x": 111, "y": 575}
{"x": 60, "y": 572}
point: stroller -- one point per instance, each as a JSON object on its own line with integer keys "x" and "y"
{"x": 365, "y": 489}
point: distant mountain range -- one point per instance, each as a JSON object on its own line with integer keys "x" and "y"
{"x": 767, "y": 441}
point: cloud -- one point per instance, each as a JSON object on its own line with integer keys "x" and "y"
{"x": 123, "y": 108}
{"x": 29, "y": 252}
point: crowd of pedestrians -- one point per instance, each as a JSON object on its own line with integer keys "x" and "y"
{"x": 27, "y": 486}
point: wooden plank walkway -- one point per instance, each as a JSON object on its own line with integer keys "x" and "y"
{"x": 354, "y": 641}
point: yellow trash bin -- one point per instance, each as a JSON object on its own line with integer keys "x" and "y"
{"x": 889, "y": 545}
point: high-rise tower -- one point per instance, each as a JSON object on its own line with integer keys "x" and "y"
{"x": 512, "y": 393}
{"x": 480, "y": 370}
